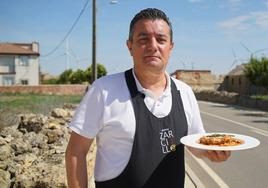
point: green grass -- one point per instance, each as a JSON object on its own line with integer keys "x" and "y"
{"x": 261, "y": 97}
{"x": 35, "y": 103}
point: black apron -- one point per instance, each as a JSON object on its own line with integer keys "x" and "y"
{"x": 157, "y": 157}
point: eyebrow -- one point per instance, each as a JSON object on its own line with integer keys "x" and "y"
{"x": 146, "y": 34}
{"x": 142, "y": 34}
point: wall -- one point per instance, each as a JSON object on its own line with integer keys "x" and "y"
{"x": 198, "y": 78}
{"x": 236, "y": 83}
{"x": 30, "y": 72}
{"x": 46, "y": 89}
{"x": 231, "y": 98}
{"x": 206, "y": 95}
{"x": 240, "y": 84}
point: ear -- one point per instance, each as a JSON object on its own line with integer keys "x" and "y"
{"x": 129, "y": 46}
{"x": 171, "y": 45}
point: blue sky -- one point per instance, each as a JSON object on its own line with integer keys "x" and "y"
{"x": 208, "y": 34}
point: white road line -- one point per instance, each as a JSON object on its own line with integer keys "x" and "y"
{"x": 210, "y": 172}
{"x": 256, "y": 130}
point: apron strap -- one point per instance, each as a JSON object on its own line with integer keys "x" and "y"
{"x": 131, "y": 83}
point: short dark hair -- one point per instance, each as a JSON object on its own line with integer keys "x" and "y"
{"x": 150, "y": 14}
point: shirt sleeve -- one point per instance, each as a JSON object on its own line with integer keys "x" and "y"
{"x": 87, "y": 120}
{"x": 196, "y": 124}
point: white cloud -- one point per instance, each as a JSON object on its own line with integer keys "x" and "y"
{"x": 238, "y": 23}
{"x": 252, "y": 20}
{"x": 234, "y": 4}
{"x": 261, "y": 18}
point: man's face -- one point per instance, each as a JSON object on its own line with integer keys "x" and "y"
{"x": 151, "y": 45}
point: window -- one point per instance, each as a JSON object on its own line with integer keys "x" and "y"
{"x": 24, "y": 61}
{"x": 239, "y": 81}
{"x": 7, "y": 64}
{"x": 232, "y": 81}
{"x": 24, "y": 82}
{"x": 8, "y": 80}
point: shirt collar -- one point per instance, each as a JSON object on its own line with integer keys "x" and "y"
{"x": 166, "y": 92}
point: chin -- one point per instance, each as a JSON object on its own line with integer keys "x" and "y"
{"x": 155, "y": 69}
{"x": 154, "y": 63}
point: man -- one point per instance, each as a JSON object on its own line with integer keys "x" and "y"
{"x": 137, "y": 117}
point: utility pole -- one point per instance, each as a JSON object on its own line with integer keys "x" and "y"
{"x": 94, "y": 64}
{"x": 94, "y": 49}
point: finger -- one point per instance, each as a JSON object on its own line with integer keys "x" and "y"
{"x": 223, "y": 155}
{"x": 227, "y": 154}
{"x": 212, "y": 156}
{"x": 217, "y": 156}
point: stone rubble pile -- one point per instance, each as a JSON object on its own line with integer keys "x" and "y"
{"x": 32, "y": 152}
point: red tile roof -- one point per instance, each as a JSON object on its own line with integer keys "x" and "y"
{"x": 16, "y": 49}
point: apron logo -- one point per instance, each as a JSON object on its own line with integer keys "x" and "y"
{"x": 173, "y": 147}
{"x": 166, "y": 137}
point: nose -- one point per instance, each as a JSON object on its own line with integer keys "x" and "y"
{"x": 152, "y": 44}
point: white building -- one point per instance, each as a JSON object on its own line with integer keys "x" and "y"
{"x": 19, "y": 64}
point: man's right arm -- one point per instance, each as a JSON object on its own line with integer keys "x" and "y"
{"x": 75, "y": 159}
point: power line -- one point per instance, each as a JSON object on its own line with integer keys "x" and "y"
{"x": 54, "y": 58}
{"x": 69, "y": 32}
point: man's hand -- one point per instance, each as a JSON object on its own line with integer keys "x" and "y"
{"x": 217, "y": 156}
{"x": 214, "y": 156}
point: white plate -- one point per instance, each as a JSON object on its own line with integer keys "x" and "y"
{"x": 192, "y": 141}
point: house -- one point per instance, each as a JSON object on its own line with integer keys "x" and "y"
{"x": 198, "y": 78}
{"x": 236, "y": 81}
{"x": 19, "y": 64}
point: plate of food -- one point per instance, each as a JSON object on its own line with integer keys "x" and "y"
{"x": 220, "y": 141}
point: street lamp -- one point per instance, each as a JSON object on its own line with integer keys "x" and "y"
{"x": 94, "y": 63}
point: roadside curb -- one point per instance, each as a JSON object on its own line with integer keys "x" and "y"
{"x": 191, "y": 179}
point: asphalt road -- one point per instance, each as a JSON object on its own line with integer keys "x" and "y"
{"x": 246, "y": 168}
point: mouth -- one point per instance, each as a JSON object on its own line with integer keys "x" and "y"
{"x": 152, "y": 57}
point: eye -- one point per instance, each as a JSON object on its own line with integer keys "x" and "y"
{"x": 142, "y": 40}
{"x": 161, "y": 40}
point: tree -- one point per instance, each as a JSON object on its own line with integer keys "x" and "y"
{"x": 100, "y": 69}
{"x": 78, "y": 77}
{"x": 257, "y": 71}
{"x": 64, "y": 77}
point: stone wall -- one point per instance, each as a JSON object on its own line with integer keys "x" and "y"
{"x": 46, "y": 89}
{"x": 217, "y": 96}
{"x": 231, "y": 98}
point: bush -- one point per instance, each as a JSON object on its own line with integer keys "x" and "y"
{"x": 78, "y": 77}
{"x": 50, "y": 81}
{"x": 64, "y": 77}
